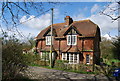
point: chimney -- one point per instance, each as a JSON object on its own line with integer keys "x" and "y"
{"x": 68, "y": 20}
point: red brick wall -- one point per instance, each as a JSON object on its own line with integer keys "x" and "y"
{"x": 87, "y": 45}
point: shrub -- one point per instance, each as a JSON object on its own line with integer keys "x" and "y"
{"x": 60, "y": 64}
{"x": 13, "y": 59}
{"x": 64, "y": 65}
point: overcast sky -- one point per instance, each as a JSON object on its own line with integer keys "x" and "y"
{"x": 77, "y": 11}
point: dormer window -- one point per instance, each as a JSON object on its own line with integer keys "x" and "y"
{"x": 48, "y": 40}
{"x": 71, "y": 39}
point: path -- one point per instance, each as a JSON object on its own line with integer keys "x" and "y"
{"x": 44, "y": 73}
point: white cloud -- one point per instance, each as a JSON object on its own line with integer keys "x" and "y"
{"x": 56, "y": 13}
{"x": 104, "y": 22}
{"x": 95, "y": 8}
{"x": 78, "y": 17}
{"x": 110, "y": 9}
{"x": 38, "y": 23}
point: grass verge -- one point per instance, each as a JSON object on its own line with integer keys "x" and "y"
{"x": 66, "y": 70}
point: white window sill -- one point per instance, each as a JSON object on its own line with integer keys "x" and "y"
{"x": 88, "y": 63}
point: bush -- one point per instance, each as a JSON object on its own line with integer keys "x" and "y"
{"x": 13, "y": 59}
{"x": 60, "y": 64}
{"x": 41, "y": 63}
{"x": 79, "y": 68}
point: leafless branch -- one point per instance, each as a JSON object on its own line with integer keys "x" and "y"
{"x": 112, "y": 10}
{"x": 11, "y": 14}
{"x": 21, "y": 8}
{"x": 110, "y": 16}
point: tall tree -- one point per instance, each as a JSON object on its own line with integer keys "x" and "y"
{"x": 116, "y": 49}
{"x": 106, "y": 48}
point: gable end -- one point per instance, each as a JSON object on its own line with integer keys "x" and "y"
{"x": 48, "y": 32}
{"x": 72, "y": 30}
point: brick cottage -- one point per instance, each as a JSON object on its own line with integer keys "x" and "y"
{"x": 75, "y": 41}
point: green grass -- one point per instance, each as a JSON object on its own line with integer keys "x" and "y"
{"x": 40, "y": 66}
{"x": 115, "y": 60}
{"x": 112, "y": 60}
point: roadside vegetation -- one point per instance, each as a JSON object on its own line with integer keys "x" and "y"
{"x": 62, "y": 65}
{"x": 110, "y": 51}
{"x": 13, "y": 60}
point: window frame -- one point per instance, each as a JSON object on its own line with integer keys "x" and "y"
{"x": 87, "y": 59}
{"x": 45, "y": 56}
{"x": 48, "y": 40}
{"x": 71, "y": 39}
{"x": 64, "y": 56}
{"x": 70, "y": 56}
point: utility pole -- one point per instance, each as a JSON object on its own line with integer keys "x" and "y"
{"x": 51, "y": 46}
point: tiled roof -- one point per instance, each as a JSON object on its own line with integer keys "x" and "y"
{"x": 85, "y": 27}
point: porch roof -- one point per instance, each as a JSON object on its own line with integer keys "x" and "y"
{"x": 72, "y": 49}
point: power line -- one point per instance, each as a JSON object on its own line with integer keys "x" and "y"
{"x": 31, "y": 18}
{"x": 27, "y": 21}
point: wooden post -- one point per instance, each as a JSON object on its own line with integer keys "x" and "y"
{"x": 51, "y": 46}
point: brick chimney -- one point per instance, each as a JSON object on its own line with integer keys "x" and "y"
{"x": 68, "y": 20}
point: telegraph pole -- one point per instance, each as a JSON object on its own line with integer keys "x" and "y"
{"x": 51, "y": 46}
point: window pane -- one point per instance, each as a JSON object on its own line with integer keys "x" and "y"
{"x": 64, "y": 56}
{"x": 48, "y": 40}
{"x": 69, "y": 40}
{"x": 75, "y": 58}
{"x": 87, "y": 59}
{"x": 73, "y": 40}
{"x": 45, "y": 56}
{"x": 71, "y": 58}
{"x": 67, "y": 56}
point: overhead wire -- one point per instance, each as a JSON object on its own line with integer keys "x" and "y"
{"x": 27, "y": 21}
{"x": 31, "y": 18}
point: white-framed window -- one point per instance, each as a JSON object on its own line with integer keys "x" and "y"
{"x": 45, "y": 56}
{"x": 48, "y": 40}
{"x": 71, "y": 39}
{"x": 70, "y": 58}
{"x": 64, "y": 56}
{"x": 73, "y": 58}
{"x": 87, "y": 59}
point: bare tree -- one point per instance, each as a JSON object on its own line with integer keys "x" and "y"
{"x": 13, "y": 11}
{"x": 112, "y": 10}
